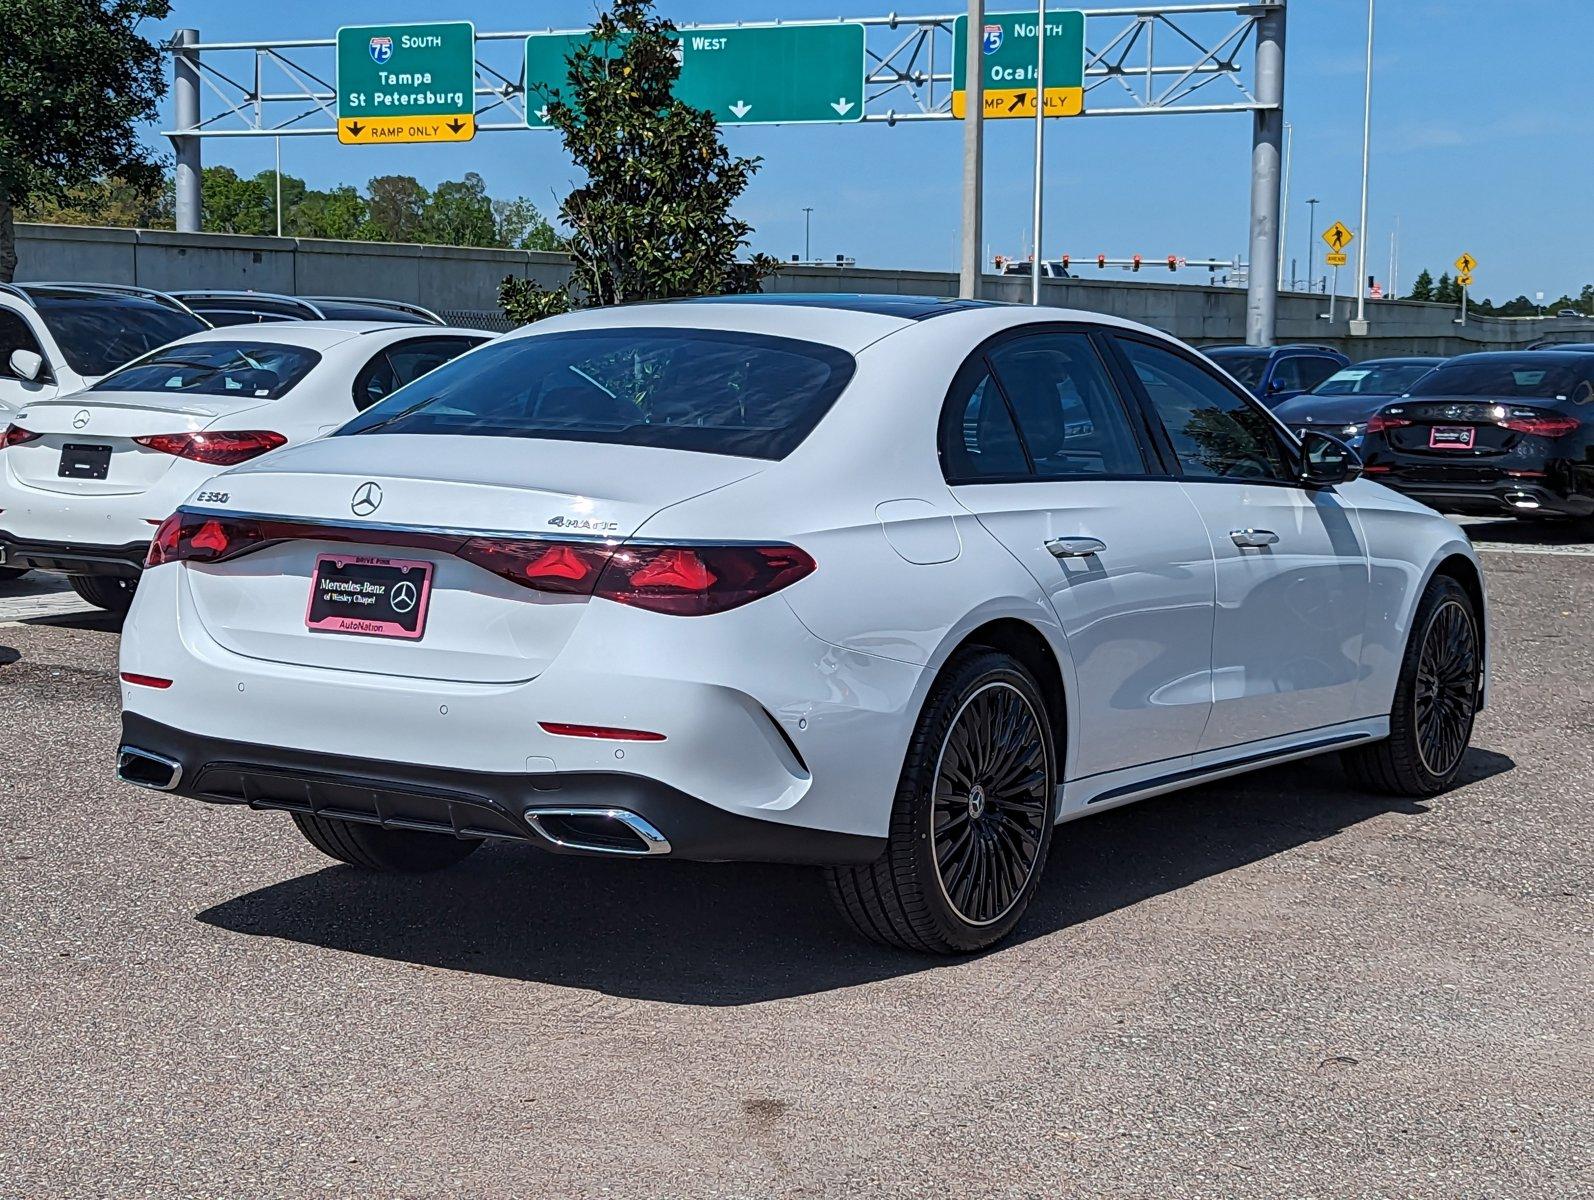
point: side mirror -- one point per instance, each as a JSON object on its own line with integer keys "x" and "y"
{"x": 1325, "y": 460}
{"x": 1275, "y": 386}
{"x": 27, "y": 364}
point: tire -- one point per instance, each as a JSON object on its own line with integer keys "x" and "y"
{"x": 395, "y": 851}
{"x": 961, "y": 863}
{"x": 1435, "y": 701}
{"x": 113, "y": 593}
{"x": 7, "y": 574}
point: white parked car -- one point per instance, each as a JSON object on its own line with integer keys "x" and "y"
{"x": 85, "y": 479}
{"x": 888, "y": 584}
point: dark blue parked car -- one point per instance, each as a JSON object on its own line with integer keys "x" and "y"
{"x": 1275, "y": 373}
{"x": 1343, "y": 402}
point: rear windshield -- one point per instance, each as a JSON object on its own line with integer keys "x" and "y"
{"x": 97, "y": 334}
{"x": 262, "y": 370}
{"x": 684, "y": 389}
{"x": 1384, "y": 379}
{"x": 1245, "y": 365}
{"x": 1530, "y": 376}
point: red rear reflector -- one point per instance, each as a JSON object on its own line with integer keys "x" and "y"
{"x": 149, "y": 681}
{"x": 15, "y": 435}
{"x": 1379, "y": 423}
{"x": 224, "y": 448}
{"x": 606, "y": 732}
{"x": 1376, "y": 470}
{"x": 1546, "y": 426}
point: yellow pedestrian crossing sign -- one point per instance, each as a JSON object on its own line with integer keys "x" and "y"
{"x": 1466, "y": 263}
{"x": 1338, "y": 237}
{"x": 1464, "y": 279}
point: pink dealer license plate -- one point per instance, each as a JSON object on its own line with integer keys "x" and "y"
{"x": 369, "y": 596}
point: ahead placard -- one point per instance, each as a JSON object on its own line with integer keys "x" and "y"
{"x": 406, "y": 83}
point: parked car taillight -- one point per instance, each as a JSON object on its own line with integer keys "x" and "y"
{"x": 1379, "y": 422}
{"x": 15, "y": 435}
{"x": 223, "y": 448}
{"x": 684, "y": 581}
{"x": 1550, "y": 425}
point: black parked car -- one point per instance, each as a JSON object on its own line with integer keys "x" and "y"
{"x": 1509, "y": 432}
{"x": 1341, "y": 404}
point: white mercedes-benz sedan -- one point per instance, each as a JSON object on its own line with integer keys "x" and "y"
{"x": 893, "y": 585}
{"x": 85, "y": 479}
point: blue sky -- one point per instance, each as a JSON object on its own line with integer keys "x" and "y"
{"x": 1481, "y": 142}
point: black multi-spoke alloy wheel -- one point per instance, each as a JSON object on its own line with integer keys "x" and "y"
{"x": 1435, "y": 700}
{"x": 400, "y": 851}
{"x": 972, "y": 820}
{"x": 110, "y": 592}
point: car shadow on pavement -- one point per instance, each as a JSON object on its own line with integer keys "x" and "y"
{"x": 1547, "y": 532}
{"x": 732, "y": 934}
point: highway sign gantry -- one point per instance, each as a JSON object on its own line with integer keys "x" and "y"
{"x": 1338, "y": 236}
{"x": 753, "y": 75}
{"x": 1007, "y": 60}
{"x": 406, "y": 83}
{"x": 1466, "y": 264}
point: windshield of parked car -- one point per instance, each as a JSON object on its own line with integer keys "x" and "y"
{"x": 1534, "y": 376}
{"x": 1373, "y": 379}
{"x": 1245, "y": 364}
{"x": 97, "y": 334}
{"x": 686, "y": 389}
{"x": 263, "y": 370}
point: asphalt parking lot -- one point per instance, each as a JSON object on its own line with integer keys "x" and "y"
{"x": 1270, "y": 986}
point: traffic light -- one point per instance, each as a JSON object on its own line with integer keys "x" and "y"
{"x": 1173, "y": 262}
{"x": 1065, "y": 262}
{"x": 1136, "y": 263}
{"x": 1101, "y": 261}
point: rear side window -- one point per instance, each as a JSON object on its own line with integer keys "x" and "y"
{"x": 1246, "y": 365}
{"x": 685, "y": 389}
{"x": 263, "y": 370}
{"x": 1314, "y": 370}
{"x": 1069, "y": 416}
{"x": 978, "y": 439}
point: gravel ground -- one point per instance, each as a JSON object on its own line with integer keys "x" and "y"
{"x": 1267, "y": 987}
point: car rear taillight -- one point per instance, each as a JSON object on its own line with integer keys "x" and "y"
{"x": 223, "y": 448}
{"x": 195, "y": 537}
{"x": 1549, "y": 425}
{"x": 692, "y": 581}
{"x": 1379, "y": 422}
{"x": 571, "y": 568}
{"x": 15, "y": 435}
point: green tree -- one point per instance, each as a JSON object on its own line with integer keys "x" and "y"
{"x": 233, "y": 204}
{"x": 339, "y": 213}
{"x": 653, "y": 218}
{"x": 1422, "y": 286}
{"x": 1447, "y": 290}
{"x": 110, "y": 200}
{"x": 460, "y": 213}
{"x": 76, "y": 78}
{"x": 519, "y": 225}
{"x": 395, "y": 209}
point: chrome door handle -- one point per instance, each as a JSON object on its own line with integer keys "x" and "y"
{"x": 1075, "y": 547}
{"x": 1253, "y": 537}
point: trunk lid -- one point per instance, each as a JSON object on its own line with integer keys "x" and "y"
{"x": 79, "y": 434}
{"x": 478, "y": 626}
{"x": 1463, "y": 430}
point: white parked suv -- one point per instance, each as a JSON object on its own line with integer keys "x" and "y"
{"x": 889, "y": 584}
{"x": 84, "y": 480}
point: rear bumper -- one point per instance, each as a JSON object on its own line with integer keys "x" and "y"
{"x": 473, "y": 804}
{"x": 73, "y": 558}
{"x": 1488, "y": 499}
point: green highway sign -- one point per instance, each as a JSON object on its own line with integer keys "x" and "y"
{"x": 1007, "y": 61}
{"x": 744, "y": 75}
{"x": 406, "y": 83}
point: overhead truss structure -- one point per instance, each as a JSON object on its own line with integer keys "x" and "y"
{"x": 1139, "y": 59}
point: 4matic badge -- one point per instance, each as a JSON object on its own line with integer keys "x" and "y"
{"x": 584, "y": 524}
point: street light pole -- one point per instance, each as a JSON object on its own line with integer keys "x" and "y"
{"x": 973, "y": 154}
{"x": 808, "y": 250}
{"x": 1284, "y": 201}
{"x": 1311, "y": 243}
{"x": 1040, "y": 145}
{"x": 1367, "y": 125}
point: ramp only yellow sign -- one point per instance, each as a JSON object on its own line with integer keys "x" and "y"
{"x": 1007, "y": 64}
{"x": 406, "y": 83}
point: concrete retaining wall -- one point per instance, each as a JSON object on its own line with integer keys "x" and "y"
{"x": 462, "y": 283}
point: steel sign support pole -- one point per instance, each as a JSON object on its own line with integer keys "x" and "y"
{"x": 1284, "y": 203}
{"x": 973, "y": 155}
{"x": 1040, "y": 147}
{"x": 185, "y": 110}
{"x": 1267, "y": 135}
{"x": 1367, "y": 126}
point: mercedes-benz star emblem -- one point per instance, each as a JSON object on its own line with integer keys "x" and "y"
{"x": 403, "y": 597}
{"x": 80, "y": 418}
{"x": 367, "y": 499}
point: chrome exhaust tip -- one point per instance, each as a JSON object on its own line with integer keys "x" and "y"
{"x": 598, "y": 831}
{"x": 1521, "y": 500}
{"x": 145, "y": 769}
